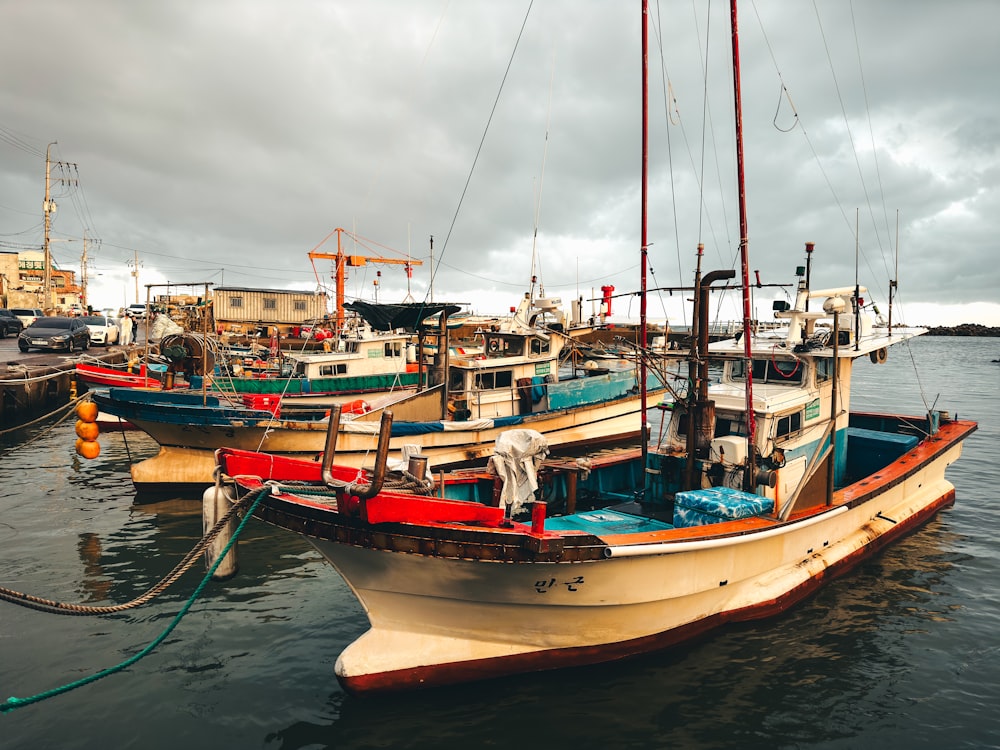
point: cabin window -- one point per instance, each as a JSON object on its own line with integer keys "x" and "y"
{"x": 788, "y": 424}
{"x": 538, "y": 346}
{"x": 236, "y": 302}
{"x": 724, "y": 425}
{"x": 824, "y": 370}
{"x": 270, "y": 303}
{"x": 393, "y": 349}
{"x": 772, "y": 371}
{"x": 335, "y": 369}
{"x": 727, "y": 425}
{"x": 350, "y": 347}
{"x": 487, "y": 381}
{"x": 499, "y": 346}
{"x": 456, "y": 381}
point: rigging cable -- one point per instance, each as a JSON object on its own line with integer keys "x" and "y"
{"x": 479, "y": 150}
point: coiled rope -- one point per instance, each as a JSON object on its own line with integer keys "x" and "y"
{"x": 252, "y": 500}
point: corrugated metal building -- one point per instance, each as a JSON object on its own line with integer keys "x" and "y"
{"x": 244, "y": 306}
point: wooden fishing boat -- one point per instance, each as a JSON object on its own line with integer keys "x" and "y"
{"x": 98, "y": 376}
{"x": 763, "y": 486}
{"x": 516, "y": 380}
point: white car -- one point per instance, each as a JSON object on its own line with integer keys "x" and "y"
{"x": 137, "y": 311}
{"x": 103, "y": 330}
{"x": 27, "y": 315}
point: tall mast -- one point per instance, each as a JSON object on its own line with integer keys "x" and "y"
{"x": 744, "y": 241}
{"x": 644, "y": 250}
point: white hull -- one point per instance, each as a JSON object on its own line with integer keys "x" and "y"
{"x": 439, "y": 619}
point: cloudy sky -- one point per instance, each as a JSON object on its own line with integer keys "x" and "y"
{"x": 222, "y": 140}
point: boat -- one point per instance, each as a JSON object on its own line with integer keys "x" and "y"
{"x": 763, "y": 486}
{"x": 139, "y": 376}
{"x": 360, "y": 360}
{"x": 514, "y": 379}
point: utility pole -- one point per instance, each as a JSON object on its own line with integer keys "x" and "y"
{"x": 83, "y": 272}
{"x": 135, "y": 273}
{"x": 48, "y": 208}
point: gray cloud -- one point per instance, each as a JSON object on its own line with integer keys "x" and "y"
{"x": 236, "y": 135}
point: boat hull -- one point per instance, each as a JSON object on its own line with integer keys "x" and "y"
{"x": 450, "y": 612}
{"x": 186, "y": 460}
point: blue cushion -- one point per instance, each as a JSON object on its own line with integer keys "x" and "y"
{"x": 716, "y": 504}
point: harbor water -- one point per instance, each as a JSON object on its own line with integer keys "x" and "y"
{"x": 902, "y": 652}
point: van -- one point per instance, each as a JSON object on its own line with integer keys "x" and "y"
{"x": 27, "y": 315}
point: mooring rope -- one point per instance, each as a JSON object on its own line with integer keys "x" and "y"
{"x": 67, "y": 608}
{"x": 14, "y": 702}
{"x": 68, "y": 407}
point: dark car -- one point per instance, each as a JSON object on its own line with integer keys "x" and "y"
{"x": 9, "y": 323}
{"x": 55, "y": 333}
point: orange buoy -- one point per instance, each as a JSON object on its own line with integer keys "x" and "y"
{"x": 87, "y": 430}
{"x": 88, "y": 448}
{"x": 87, "y": 411}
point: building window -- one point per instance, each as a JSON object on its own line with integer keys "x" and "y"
{"x": 299, "y": 305}
{"x": 236, "y": 302}
{"x": 270, "y": 303}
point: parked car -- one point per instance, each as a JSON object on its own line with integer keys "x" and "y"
{"x": 103, "y": 330}
{"x": 9, "y": 323}
{"x": 55, "y": 333}
{"x": 27, "y": 315}
{"x": 137, "y": 311}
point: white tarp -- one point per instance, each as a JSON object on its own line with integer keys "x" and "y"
{"x": 163, "y": 326}
{"x": 516, "y": 459}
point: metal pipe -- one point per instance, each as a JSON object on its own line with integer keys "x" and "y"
{"x": 330, "y": 447}
{"x": 665, "y": 548}
{"x": 381, "y": 457}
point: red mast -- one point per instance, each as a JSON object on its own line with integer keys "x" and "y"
{"x": 744, "y": 256}
{"x": 643, "y": 240}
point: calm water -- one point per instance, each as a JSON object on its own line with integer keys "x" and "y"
{"x": 904, "y": 652}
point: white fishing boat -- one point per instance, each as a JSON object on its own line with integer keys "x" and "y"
{"x": 764, "y": 487}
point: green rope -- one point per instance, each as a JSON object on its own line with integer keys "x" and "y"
{"x": 14, "y": 702}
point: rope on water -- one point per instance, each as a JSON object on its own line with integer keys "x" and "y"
{"x": 68, "y": 408}
{"x": 65, "y": 608}
{"x": 14, "y": 702}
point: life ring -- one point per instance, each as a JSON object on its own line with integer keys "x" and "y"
{"x": 358, "y": 406}
{"x": 494, "y": 346}
{"x": 879, "y": 356}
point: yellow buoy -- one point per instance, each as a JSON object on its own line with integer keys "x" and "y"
{"x": 87, "y": 411}
{"x": 88, "y": 448}
{"x": 87, "y": 430}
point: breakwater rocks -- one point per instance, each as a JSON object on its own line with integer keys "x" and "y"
{"x": 966, "y": 329}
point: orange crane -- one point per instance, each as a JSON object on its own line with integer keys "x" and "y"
{"x": 343, "y": 261}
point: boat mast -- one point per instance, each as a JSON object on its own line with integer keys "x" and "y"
{"x": 644, "y": 250}
{"x": 750, "y": 480}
